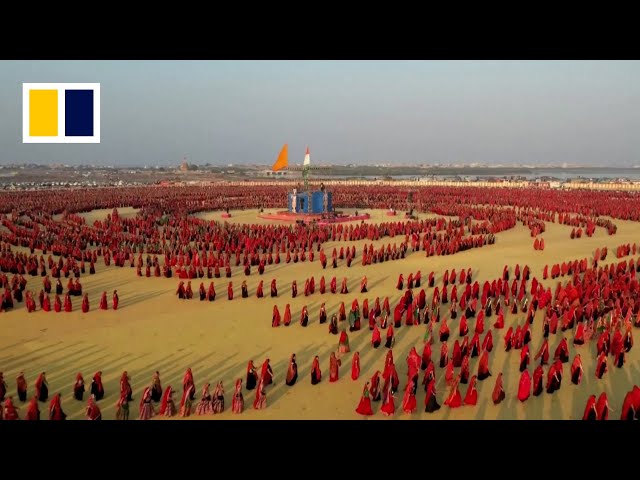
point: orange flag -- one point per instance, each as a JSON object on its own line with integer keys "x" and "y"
{"x": 282, "y": 161}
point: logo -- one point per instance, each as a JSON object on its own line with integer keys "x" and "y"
{"x": 60, "y": 113}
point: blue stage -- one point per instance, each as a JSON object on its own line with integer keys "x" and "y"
{"x": 310, "y": 202}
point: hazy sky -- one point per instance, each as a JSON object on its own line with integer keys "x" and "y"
{"x": 365, "y": 112}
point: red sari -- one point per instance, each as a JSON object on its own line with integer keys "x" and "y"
{"x": 498, "y": 391}
{"x": 286, "y": 320}
{"x": 375, "y": 337}
{"x": 275, "y": 317}
{"x": 364, "y": 407}
{"x": 487, "y": 343}
{"x": 33, "y": 411}
{"x": 237, "y": 405}
{"x": 316, "y": 374}
{"x": 576, "y": 370}
{"x": 93, "y": 411}
{"x": 85, "y": 303}
{"x": 454, "y": 400}
{"x": 590, "y": 410}
{"x": 334, "y": 368}
{"x": 483, "y": 366}
{"x": 524, "y": 386}
{"x": 355, "y": 366}
{"x": 260, "y": 401}
{"x": 55, "y": 409}
{"x": 409, "y": 404}
{"x": 602, "y": 407}
{"x": 68, "y": 306}
{"x": 388, "y": 405}
{"x": 116, "y": 300}
{"x": 471, "y": 398}
{"x": 103, "y": 301}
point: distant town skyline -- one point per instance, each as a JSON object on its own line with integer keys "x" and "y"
{"x": 155, "y": 113}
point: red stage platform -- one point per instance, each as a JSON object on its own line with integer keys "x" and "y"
{"x": 320, "y": 219}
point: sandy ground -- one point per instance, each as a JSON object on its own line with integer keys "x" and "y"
{"x": 90, "y": 217}
{"x": 153, "y": 330}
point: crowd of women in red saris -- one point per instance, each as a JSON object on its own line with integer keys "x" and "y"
{"x": 192, "y": 247}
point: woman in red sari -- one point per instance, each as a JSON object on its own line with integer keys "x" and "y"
{"x": 388, "y": 407}
{"x": 553, "y": 379}
{"x": 55, "y": 409}
{"x": 322, "y": 317}
{"x": 230, "y": 291}
{"x": 430, "y": 401}
{"x": 444, "y": 330}
{"x": 85, "y": 303}
{"x": 146, "y": 406}
{"x": 524, "y": 386}
{"x": 68, "y": 306}
{"x": 343, "y": 287}
{"x": 316, "y": 374}
{"x": 376, "y": 340}
{"x": 343, "y": 342}
{"x": 562, "y": 351}
{"x": 125, "y": 386}
{"x": 498, "y": 390}
{"x": 260, "y": 401}
{"x": 167, "y": 405}
{"x": 103, "y": 301}
{"x": 10, "y": 410}
{"x": 334, "y": 368}
{"x": 465, "y": 370}
{"x": 46, "y": 304}
{"x": 260, "y": 289}
{"x": 21, "y": 387}
{"x": 363, "y": 285}
{"x": 590, "y": 411}
{"x": 237, "y": 405}
{"x": 57, "y": 304}
{"x": 543, "y": 353}
{"x": 187, "y": 382}
{"x": 602, "y": 407}
{"x": 292, "y": 371}
{"x": 538, "y": 376}
{"x": 115, "y": 300}
{"x": 304, "y": 316}
{"x": 333, "y": 324}
{"x": 375, "y": 387}
{"x": 483, "y": 366}
{"x": 33, "y": 410}
{"x": 524, "y": 358}
{"x": 631, "y": 404}
{"x": 454, "y": 400}
{"x": 409, "y": 404}
{"x": 471, "y": 398}
{"x": 93, "y": 411}
{"x": 576, "y": 370}
{"x": 286, "y": 320}
{"x": 275, "y": 317}
{"x": 96, "y": 386}
{"x": 266, "y": 373}
{"x": 186, "y": 402}
{"x": 364, "y": 407}
{"x": 355, "y": 366}
{"x": 601, "y": 367}
{"x": 42, "y": 388}
{"x": 487, "y": 343}
{"x": 457, "y": 354}
{"x": 252, "y": 376}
